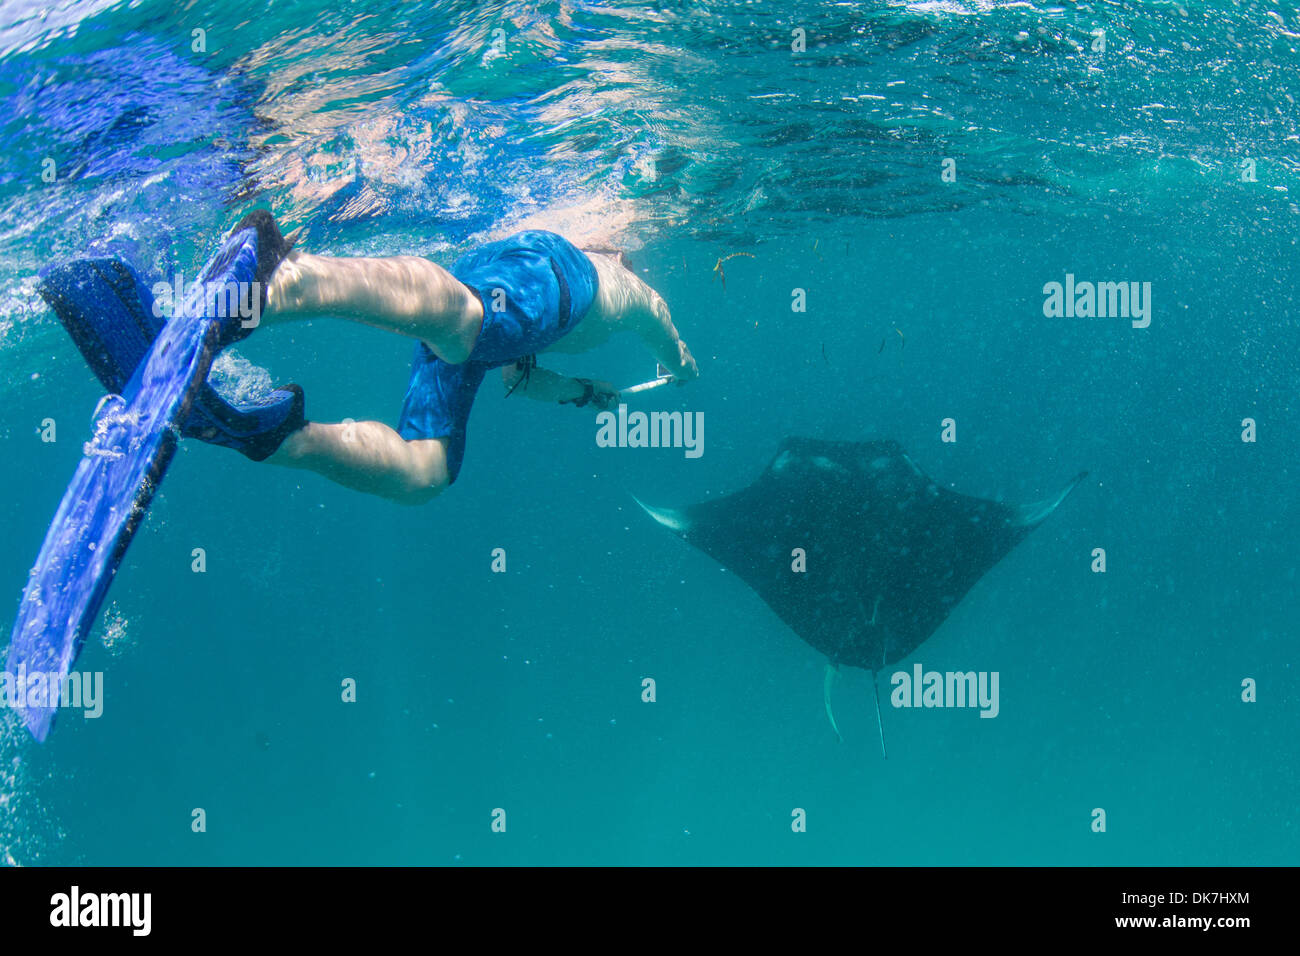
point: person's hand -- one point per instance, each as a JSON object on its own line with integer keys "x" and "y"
{"x": 601, "y": 394}
{"x": 688, "y": 369}
{"x": 605, "y": 396}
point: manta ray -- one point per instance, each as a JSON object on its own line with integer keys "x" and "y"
{"x": 855, "y": 548}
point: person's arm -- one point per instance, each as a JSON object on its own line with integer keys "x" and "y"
{"x": 626, "y": 302}
{"x": 661, "y": 338}
{"x": 544, "y": 385}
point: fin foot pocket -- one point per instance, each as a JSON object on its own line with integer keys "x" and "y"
{"x": 107, "y": 309}
{"x": 252, "y": 253}
{"x": 262, "y": 446}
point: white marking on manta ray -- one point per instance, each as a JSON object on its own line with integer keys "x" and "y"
{"x": 862, "y": 608}
{"x": 825, "y": 464}
{"x": 667, "y": 517}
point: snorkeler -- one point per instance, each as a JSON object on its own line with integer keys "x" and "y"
{"x": 498, "y": 307}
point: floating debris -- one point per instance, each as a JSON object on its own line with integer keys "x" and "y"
{"x": 722, "y": 273}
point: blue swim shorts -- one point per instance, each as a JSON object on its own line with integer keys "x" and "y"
{"x": 535, "y": 287}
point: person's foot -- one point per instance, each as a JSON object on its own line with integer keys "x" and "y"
{"x": 272, "y": 247}
{"x": 255, "y": 245}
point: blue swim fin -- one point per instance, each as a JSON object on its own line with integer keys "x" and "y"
{"x": 136, "y": 430}
{"x": 108, "y": 310}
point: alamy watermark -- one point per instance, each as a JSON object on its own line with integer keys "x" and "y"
{"x": 651, "y": 430}
{"x": 922, "y": 688}
{"x": 1103, "y": 300}
{"x": 215, "y": 299}
{"x": 98, "y": 910}
{"x": 78, "y": 690}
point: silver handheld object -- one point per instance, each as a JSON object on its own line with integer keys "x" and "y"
{"x": 662, "y": 377}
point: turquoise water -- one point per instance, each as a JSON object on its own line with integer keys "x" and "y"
{"x": 683, "y": 132}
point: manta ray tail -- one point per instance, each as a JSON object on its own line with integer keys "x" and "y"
{"x": 827, "y": 683}
{"x": 875, "y": 691}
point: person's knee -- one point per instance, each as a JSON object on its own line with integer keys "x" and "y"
{"x": 454, "y": 339}
{"x": 426, "y": 474}
{"x": 419, "y": 494}
{"x": 452, "y": 348}
{"x": 419, "y": 490}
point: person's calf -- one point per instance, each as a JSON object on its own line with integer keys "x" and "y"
{"x": 369, "y": 457}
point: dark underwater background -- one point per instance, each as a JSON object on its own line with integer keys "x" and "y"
{"x": 684, "y": 132}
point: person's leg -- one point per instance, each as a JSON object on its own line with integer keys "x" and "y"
{"x": 404, "y": 294}
{"x": 369, "y": 457}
